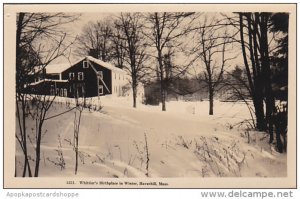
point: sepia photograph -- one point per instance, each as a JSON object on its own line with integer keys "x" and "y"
{"x": 150, "y": 96}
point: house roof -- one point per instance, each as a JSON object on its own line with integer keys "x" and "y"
{"x": 53, "y": 68}
{"x": 46, "y": 80}
{"x": 105, "y": 64}
{"x": 59, "y": 68}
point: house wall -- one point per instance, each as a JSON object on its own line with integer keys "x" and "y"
{"x": 90, "y": 80}
{"x": 89, "y": 85}
{"x": 50, "y": 88}
{"x": 52, "y": 76}
{"x": 119, "y": 81}
{"x": 106, "y": 78}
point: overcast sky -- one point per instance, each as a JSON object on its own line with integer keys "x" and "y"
{"x": 75, "y": 29}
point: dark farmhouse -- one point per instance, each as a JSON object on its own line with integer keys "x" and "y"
{"x": 87, "y": 77}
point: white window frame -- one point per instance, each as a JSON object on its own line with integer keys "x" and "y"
{"x": 102, "y": 90}
{"x": 99, "y": 81}
{"x": 100, "y": 74}
{"x": 52, "y": 90}
{"x": 71, "y": 76}
{"x": 85, "y": 64}
{"x": 80, "y": 74}
{"x": 65, "y": 92}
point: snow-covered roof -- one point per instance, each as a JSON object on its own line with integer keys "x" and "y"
{"x": 59, "y": 68}
{"x": 46, "y": 80}
{"x": 105, "y": 64}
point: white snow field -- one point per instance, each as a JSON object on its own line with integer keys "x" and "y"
{"x": 184, "y": 141}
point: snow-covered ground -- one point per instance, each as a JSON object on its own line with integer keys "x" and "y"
{"x": 184, "y": 141}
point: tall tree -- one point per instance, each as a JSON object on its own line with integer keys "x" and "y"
{"x": 164, "y": 30}
{"x": 255, "y": 77}
{"x": 279, "y": 23}
{"x": 130, "y": 26}
{"x": 40, "y": 39}
{"x": 96, "y": 40}
{"x": 211, "y": 41}
{"x": 257, "y": 54}
{"x": 118, "y": 47}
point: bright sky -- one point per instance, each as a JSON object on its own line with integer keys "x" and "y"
{"x": 74, "y": 29}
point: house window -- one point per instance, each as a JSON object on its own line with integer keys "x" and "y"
{"x": 61, "y": 92}
{"x": 80, "y": 76}
{"x": 65, "y": 92}
{"x": 99, "y": 81}
{"x": 57, "y": 91}
{"x": 100, "y": 90}
{"x": 85, "y": 64}
{"x": 100, "y": 74}
{"x": 52, "y": 91}
{"x": 71, "y": 76}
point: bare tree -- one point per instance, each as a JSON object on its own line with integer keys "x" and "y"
{"x": 118, "y": 47}
{"x": 39, "y": 40}
{"x": 164, "y": 31}
{"x": 40, "y": 106}
{"x": 77, "y": 120}
{"x": 130, "y": 26}
{"x": 257, "y": 48}
{"x": 211, "y": 41}
{"x": 95, "y": 40}
{"x": 259, "y": 41}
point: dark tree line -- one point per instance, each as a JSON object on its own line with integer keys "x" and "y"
{"x": 258, "y": 56}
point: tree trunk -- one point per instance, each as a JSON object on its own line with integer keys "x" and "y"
{"x": 38, "y": 151}
{"x": 266, "y": 73}
{"x": 76, "y": 137}
{"x": 211, "y": 101}
{"x": 270, "y": 106}
{"x": 134, "y": 93}
{"x": 259, "y": 112}
{"x": 278, "y": 141}
{"x": 163, "y": 96}
{"x": 255, "y": 82}
{"x": 20, "y": 85}
{"x": 18, "y": 53}
{"x": 26, "y": 163}
{"x": 76, "y": 156}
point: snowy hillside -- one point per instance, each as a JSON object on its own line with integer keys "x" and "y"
{"x": 184, "y": 141}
